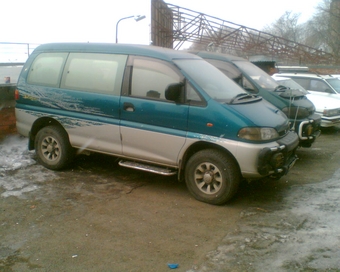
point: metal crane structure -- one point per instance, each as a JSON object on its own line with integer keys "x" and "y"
{"x": 173, "y": 26}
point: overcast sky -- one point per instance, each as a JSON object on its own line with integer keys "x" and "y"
{"x": 41, "y": 21}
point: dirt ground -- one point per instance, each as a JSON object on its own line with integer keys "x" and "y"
{"x": 98, "y": 216}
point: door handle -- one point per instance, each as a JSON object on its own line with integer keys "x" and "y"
{"x": 128, "y": 106}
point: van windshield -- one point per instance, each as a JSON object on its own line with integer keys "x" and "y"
{"x": 258, "y": 75}
{"x": 217, "y": 85}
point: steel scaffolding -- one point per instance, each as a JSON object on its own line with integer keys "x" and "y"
{"x": 173, "y": 26}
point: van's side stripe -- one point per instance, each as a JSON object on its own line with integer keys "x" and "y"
{"x": 69, "y": 119}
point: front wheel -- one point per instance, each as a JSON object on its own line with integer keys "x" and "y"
{"x": 53, "y": 148}
{"x": 212, "y": 176}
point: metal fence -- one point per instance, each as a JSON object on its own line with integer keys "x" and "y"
{"x": 15, "y": 52}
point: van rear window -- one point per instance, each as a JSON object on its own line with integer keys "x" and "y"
{"x": 92, "y": 72}
{"x": 46, "y": 69}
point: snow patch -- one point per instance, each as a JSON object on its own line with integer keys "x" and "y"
{"x": 15, "y": 157}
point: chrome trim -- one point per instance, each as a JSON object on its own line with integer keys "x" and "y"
{"x": 148, "y": 168}
{"x": 301, "y": 130}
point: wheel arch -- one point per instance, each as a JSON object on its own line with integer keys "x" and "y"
{"x": 198, "y": 146}
{"x": 38, "y": 125}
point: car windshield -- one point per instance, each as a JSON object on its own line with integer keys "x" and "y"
{"x": 335, "y": 83}
{"x": 258, "y": 75}
{"x": 217, "y": 85}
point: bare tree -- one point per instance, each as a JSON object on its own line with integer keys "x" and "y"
{"x": 326, "y": 26}
{"x": 286, "y": 27}
{"x": 322, "y": 31}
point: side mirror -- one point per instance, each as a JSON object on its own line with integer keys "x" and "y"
{"x": 174, "y": 92}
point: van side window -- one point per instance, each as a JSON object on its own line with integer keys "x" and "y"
{"x": 150, "y": 77}
{"x": 229, "y": 69}
{"x": 46, "y": 69}
{"x": 192, "y": 96}
{"x": 247, "y": 85}
{"x": 100, "y": 73}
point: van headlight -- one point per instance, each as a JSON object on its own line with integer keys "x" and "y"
{"x": 258, "y": 134}
{"x": 295, "y": 112}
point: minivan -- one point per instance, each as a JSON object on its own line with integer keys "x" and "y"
{"x": 299, "y": 110}
{"x": 156, "y": 109}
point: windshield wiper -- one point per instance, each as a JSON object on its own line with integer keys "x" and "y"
{"x": 244, "y": 98}
{"x": 280, "y": 88}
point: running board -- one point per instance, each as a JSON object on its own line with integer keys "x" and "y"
{"x": 149, "y": 168}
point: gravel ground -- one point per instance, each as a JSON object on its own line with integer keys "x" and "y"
{"x": 98, "y": 216}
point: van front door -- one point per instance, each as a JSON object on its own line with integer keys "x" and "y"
{"x": 153, "y": 129}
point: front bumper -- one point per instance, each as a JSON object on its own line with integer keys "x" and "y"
{"x": 277, "y": 161}
{"x": 330, "y": 121}
{"x": 308, "y": 130}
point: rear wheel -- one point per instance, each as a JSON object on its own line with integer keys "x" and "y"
{"x": 53, "y": 148}
{"x": 212, "y": 176}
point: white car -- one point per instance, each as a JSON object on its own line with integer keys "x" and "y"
{"x": 326, "y": 104}
{"x": 326, "y": 84}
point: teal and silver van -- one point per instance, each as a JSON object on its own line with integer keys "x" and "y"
{"x": 294, "y": 103}
{"x": 156, "y": 109}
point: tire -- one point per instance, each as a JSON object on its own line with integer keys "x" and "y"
{"x": 212, "y": 176}
{"x": 53, "y": 148}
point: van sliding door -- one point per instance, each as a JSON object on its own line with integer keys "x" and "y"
{"x": 90, "y": 88}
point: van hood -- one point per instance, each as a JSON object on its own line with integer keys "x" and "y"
{"x": 296, "y": 101}
{"x": 262, "y": 114}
